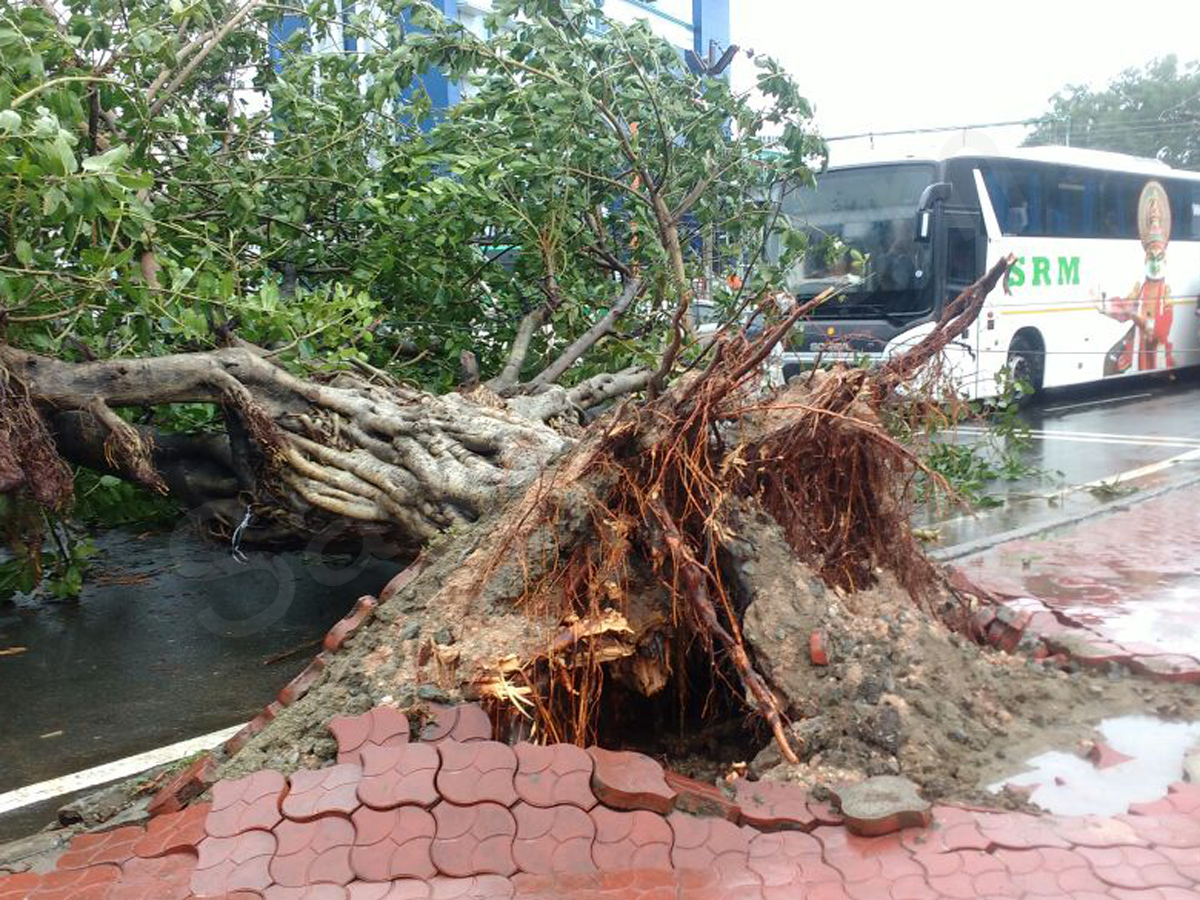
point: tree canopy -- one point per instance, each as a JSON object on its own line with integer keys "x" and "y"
{"x": 1153, "y": 111}
{"x": 172, "y": 183}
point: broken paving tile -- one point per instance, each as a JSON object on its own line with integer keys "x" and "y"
{"x": 345, "y": 627}
{"x": 303, "y": 682}
{"x": 881, "y": 805}
{"x": 383, "y": 726}
{"x": 392, "y": 844}
{"x": 393, "y": 776}
{"x": 313, "y": 852}
{"x": 701, "y": 798}
{"x": 554, "y": 775}
{"x": 245, "y": 804}
{"x": 101, "y": 847}
{"x": 631, "y": 840}
{"x": 323, "y": 791}
{"x": 462, "y": 723}
{"x": 172, "y": 832}
{"x": 184, "y": 787}
{"x": 553, "y": 839}
{"x": 1102, "y": 756}
{"x": 626, "y": 780}
{"x": 473, "y": 840}
{"x": 773, "y": 805}
{"x": 476, "y": 772}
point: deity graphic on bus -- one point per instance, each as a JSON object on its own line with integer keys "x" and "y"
{"x": 1148, "y": 306}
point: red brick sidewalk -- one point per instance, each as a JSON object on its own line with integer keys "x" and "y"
{"x": 1123, "y": 588}
{"x": 458, "y": 816}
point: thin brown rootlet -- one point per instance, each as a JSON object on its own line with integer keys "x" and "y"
{"x": 814, "y": 455}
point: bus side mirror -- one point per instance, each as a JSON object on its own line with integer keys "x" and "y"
{"x": 935, "y": 193}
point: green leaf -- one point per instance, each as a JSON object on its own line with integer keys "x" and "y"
{"x": 108, "y": 161}
{"x": 24, "y": 252}
{"x": 62, "y": 154}
{"x": 10, "y": 120}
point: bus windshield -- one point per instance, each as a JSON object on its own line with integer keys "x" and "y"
{"x": 871, "y": 210}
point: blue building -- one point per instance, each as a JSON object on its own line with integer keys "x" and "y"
{"x": 698, "y": 25}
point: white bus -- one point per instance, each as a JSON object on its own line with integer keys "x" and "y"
{"x": 1105, "y": 283}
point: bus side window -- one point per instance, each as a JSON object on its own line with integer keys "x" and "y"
{"x": 961, "y": 260}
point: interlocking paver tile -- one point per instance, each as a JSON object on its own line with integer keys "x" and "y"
{"x": 881, "y": 805}
{"x": 473, "y": 840}
{"x": 323, "y": 791}
{"x": 383, "y": 726}
{"x": 239, "y": 863}
{"x": 708, "y": 843}
{"x": 462, "y": 723}
{"x": 952, "y": 829}
{"x": 554, "y": 775}
{"x": 773, "y": 805}
{"x": 476, "y": 772}
{"x": 162, "y": 878}
{"x": 394, "y": 776}
{"x": 1134, "y": 868}
{"x": 1097, "y": 831}
{"x": 185, "y": 786}
{"x": 627, "y": 884}
{"x": 401, "y": 889}
{"x": 553, "y": 839}
{"x": 1187, "y": 861}
{"x": 245, "y": 804}
{"x": 349, "y": 624}
{"x": 92, "y": 883}
{"x": 631, "y": 840}
{"x": 309, "y": 892}
{"x": 479, "y": 887}
{"x": 1167, "y": 830}
{"x": 863, "y": 859}
{"x": 114, "y": 846}
{"x": 19, "y": 886}
{"x": 788, "y": 862}
{"x": 625, "y": 780}
{"x": 701, "y": 798}
{"x": 1019, "y": 831}
{"x": 172, "y": 832}
{"x": 394, "y": 843}
{"x": 313, "y": 852}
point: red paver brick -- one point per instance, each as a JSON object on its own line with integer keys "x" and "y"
{"x": 401, "y": 889}
{"x": 1103, "y": 756}
{"x": 349, "y": 624}
{"x": 318, "y": 793}
{"x": 309, "y": 892}
{"x": 480, "y": 887}
{"x": 555, "y": 775}
{"x": 788, "y": 863}
{"x": 817, "y": 650}
{"x": 1133, "y": 868}
{"x": 103, "y": 847}
{"x": 1186, "y": 861}
{"x": 1097, "y": 831}
{"x": 708, "y": 843}
{"x": 313, "y": 852}
{"x": 240, "y": 863}
{"x": 92, "y": 883}
{"x": 462, "y": 723}
{"x": 477, "y": 772}
{"x": 402, "y": 579}
{"x": 701, "y": 798}
{"x": 19, "y": 886}
{"x": 303, "y": 682}
{"x": 1184, "y": 669}
{"x": 161, "y": 878}
{"x": 383, "y": 726}
{"x": 1020, "y": 831}
{"x": 246, "y": 803}
{"x": 631, "y": 840}
{"x": 553, "y": 839}
{"x": 711, "y": 884}
{"x": 882, "y": 805}
{"x": 473, "y": 840}
{"x": 252, "y": 728}
{"x": 951, "y": 829}
{"x": 959, "y": 884}
{"x": 861, "y": 859}
{"x": 185, "y": 787}
{"x": 394, "y": 776}
{"x": 774, "y": 806}
{"x": 172, "y": 832}
{"x": 1166, "y": 830}
{"x": 394, "y": 843}
{"x": 625, "y": 780}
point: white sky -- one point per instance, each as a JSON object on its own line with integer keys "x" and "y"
{"x": 884, "y": 65}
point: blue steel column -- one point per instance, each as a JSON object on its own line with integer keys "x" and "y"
{"x": 710, "y": 19}
{"x": 443, "y": 92}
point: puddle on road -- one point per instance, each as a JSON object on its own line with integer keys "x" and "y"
{"x": 1069, "y": 785}
{"x": 1167, "y": 621}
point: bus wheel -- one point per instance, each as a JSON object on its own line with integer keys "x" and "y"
{"x": 1027, "y": 360}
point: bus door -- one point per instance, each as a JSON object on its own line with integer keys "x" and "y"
{"x": 962, "y": 256}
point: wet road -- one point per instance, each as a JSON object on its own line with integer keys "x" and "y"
{"x": 172, "y": 638}
{"x": 1136, "y": 437}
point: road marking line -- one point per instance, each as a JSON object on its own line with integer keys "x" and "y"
{"x": 112, "y": 771}
{"x": 1120, "y": 399}
{"x": 1106, "y": 482}
{"x": 1096, "y": 437}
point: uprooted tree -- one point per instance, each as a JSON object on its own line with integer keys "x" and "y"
{"x": 280, "y": 287}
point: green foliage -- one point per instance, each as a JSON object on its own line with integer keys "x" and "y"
{"x": 1150, "y": 112}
